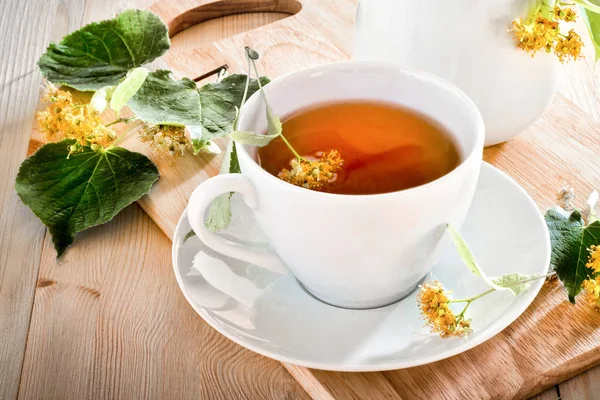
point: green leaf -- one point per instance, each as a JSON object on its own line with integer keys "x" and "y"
{"x": 162, "y": 100}
{"x": 87, "y": 189}
{"x": 571, "y": 240}
{"x": 251, "y": 138}
{"x": 100, "y": 54}
{"x": 219, "y": 102}
{"x": 219, "y": 216}
{"x": 128, "y": 88}
{"x": 515, "y": 282}
{"x": 234, "y": 162}
{"x": 208, "y": 112}
{"x": 590, "y": 12}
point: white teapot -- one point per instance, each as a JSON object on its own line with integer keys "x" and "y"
{"x": 468, "y": 43}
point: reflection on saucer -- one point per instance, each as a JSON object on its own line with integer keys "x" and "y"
{"x": 273, "y": 315}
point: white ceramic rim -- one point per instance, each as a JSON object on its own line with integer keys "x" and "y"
{"x": 501, "y": 323}
{"x": 384, "y": 66}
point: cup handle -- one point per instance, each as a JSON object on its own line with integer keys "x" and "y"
{"x": 199, "y": 202}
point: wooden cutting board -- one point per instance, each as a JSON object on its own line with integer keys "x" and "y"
{"x": 551, "y": 342}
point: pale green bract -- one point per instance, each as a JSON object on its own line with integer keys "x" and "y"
{"x": 87, "y": 189}
{"x": 590, "y": 12}
{"x": 101, "y": 98}
{"x": 591, "y": 5}
{"x": 127, "y": 88}
{"x": 592, "y": 216}
{"x": 251, "y": 138}
{"x": 515, "y": 282}
{"x": 102, "y": 53}
{"x": 219, "y": 216}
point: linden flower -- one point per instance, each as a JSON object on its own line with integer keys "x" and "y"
{"x": 592, "y": 286}
{"x": 169, "y": 138}
{"x": 569, "y": 47}
{"x": 535, "y": 34}
{"x": 313, "y": 174}
{"x": 564, "y": 14}
{"x": 434, "y": 303}
{"x": 63, "y": 119}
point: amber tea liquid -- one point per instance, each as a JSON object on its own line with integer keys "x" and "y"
{"x": 385, "y": 147}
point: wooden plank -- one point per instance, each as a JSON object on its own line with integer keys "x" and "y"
{"x": 26, "y": 29}
{"x": 583, "y": 387}
{"x": 550, "y": 394}
{"x": 109, "y": 320}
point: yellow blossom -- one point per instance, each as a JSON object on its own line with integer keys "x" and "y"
{"x": 592, "y": 284}
{"x": 535, "y": 34}
{"x": 565, "y": 14}
{"x": 594, "y": 259}
{"x": 543, "y": 33}
{"x": 64, "y": 119}
{"x": 313, "y": 174}
{"x": 569, "y": 47}
{"x": 169, "y": 138}
{"x": 434, "y": 303}
{"x": 592, "y": 288}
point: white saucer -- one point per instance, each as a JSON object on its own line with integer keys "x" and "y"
{"x": 274, "y": 316}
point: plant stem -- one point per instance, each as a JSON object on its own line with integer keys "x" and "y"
{"x": 294, "y": 152}
{"x": 118, "y": 120}
{"x": 470, "y": 300}
{"x": 535, "y": 278}
{"x": 461, "y": 316}
{"x": 126, "y": 133}
{"x": 298, "y": 156}
{"x": 247, "y": 83}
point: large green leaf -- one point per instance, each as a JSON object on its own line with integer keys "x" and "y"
{"x": 571, "y": 240}
{"x": 100, "y": 54}
{"x": 87, "y": 189}
{"x": 164, "y": 100}
{"x": 208, "y": 112}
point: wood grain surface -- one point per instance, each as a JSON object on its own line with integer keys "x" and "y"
{"x": 108, "y": 320}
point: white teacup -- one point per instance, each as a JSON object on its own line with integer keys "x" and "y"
{"x": 353, "y": 251}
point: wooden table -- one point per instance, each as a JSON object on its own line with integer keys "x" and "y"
{"x": 108, "y": 320}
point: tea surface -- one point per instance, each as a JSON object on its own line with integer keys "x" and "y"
{"x": 385, "y": 147}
